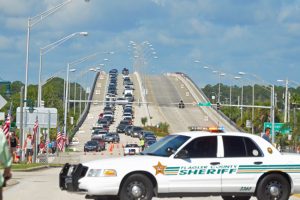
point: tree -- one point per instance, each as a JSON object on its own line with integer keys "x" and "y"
{"x": 144, "y": 120}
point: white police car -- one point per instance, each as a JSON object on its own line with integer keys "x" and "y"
{"x": 233, "y": 165}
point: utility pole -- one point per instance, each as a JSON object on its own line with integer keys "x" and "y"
{"x": 21, "y": 122}
{"x": 273, "y": 113}
{"x": 242, "y": 103}
{"x": 252, "y": 123}
{"x": 286, "y": 101}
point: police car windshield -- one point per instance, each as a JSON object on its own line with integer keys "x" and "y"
{"x": 160, "y": 147}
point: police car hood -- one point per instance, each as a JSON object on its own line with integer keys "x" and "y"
{"x": 136, "y": 162}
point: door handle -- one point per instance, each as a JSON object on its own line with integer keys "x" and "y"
{"x": 258, "y": 163}
{"x": 215, "y": 163}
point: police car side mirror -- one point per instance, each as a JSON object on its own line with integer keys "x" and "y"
{"x": 183, "y": 154}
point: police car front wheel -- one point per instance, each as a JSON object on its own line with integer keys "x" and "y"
{"x": 273, "y": 186}
{"x": 137, "y": 186}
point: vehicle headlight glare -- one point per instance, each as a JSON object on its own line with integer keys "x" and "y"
{"x": 94, "y": 173}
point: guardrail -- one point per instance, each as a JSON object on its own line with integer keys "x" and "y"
{"x": 86, "y": 109}
{"x": 207, "y": 99}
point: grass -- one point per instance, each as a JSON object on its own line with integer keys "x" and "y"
{"x": 24, "y": 166}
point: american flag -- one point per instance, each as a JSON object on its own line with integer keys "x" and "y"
{"x": 35, "y": 129}
{"x": 60, "y": 139}
{"x": 6, "y": 126}
{"x": 35, "y": 126}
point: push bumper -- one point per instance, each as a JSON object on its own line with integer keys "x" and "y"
{"x": 69, "y": 176}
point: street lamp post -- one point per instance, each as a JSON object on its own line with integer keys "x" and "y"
{"x": 30, "y": 23}
{"x": 47, "y": 49}
{"x": 76, "y": 62}
{"x": 66, "y": 97}
{"x": 253, "y": 102}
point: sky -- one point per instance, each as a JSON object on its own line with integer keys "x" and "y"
{"x": 258, "y": 37}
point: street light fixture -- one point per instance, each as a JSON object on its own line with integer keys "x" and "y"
{"x": 47, "y": 49}
{"x": 31, "y": 22}
{"x": 74, "y": 63}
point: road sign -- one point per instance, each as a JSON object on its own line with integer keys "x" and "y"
{"x": 278, "y": 127}
{"x": 2, "y": 101}
{"x": 46, "y": 116}
{"x": 204, "y": 104}
{"x": 248, "y": 123}
{"x": 2, "y": 117}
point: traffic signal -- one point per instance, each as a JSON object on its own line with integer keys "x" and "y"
{"x": 218, "y": 105}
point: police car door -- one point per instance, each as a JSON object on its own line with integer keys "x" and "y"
{"x": 195, "y": 167}
{"x": 241, "y": 155}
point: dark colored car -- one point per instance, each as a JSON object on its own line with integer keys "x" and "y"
{"x": 92, "y": 145}
{"x": 103, "y": 121}
{"x": 149, "y": 137}
{"x": 144, "y": 134}
{"x": 136, "y": 130}
{"x": 122, "y": 126}
{"x": 128, "y": 129}
{"x": 113, "y": 71}
{"x": 101, "y": 143}
{"x": 111, "y": 137}
{"x": 110, "y": 119}
{"x": 148, "y": 143}
{"x": 129, "y": 97}
{"x": 125, "y": 71}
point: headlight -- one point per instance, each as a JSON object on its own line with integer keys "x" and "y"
{"x": 94, "y": 173}
{"x": 101, "y": 172}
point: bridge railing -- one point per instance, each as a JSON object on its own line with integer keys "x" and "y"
{"x": 86, "y": 109}
{"x": 207, "y": 99}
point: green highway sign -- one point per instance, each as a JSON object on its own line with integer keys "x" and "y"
{"x": 278, "y": 127}
{"x": 204, "y": 104}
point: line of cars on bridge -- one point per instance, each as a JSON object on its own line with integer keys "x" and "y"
{"x": 100, "y": 130}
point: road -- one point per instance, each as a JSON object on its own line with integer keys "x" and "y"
{"x": 43, "y": 185}
{"x": 163, "y": 94}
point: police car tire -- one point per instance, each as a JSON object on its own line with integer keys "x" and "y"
{"x": 235, "y": 198}
{"x": 139, "y": 180}
{"x": 273, "y": 179}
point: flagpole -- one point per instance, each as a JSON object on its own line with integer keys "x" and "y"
{"x": 36, "y": 135}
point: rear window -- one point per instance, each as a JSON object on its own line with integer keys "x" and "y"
{"x": 92, "y": 142}
{"x": 131, "y": 145}
{"x": 235, "y": 146}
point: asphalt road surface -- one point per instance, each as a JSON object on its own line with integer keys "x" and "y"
{"x": 43, "y": 185}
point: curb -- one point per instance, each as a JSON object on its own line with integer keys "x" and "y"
{"x": 31, "y": 169}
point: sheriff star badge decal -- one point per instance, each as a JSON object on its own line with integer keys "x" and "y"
{"x": 160, "y": 169}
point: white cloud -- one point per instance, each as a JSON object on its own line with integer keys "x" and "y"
{"x": 294, "y": 28}
{"x": 235, "y": 32}
{"x": 200, "y": 27}
{"x": 16, "y": 23}
{"x": 73, "y": 14}
{"x": 5, "y": 42}
{"x": 15, "y": 7}
{"x": 289, "y": 12}
{"x": 159, "y": 2}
